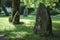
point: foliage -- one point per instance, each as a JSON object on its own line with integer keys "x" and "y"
{"x": 3, "y": 1}
{"x": 35, "y": 3}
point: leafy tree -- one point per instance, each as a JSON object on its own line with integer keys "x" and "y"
{"x": 8, "y": 3}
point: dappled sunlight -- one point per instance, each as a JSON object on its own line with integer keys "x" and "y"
{"x": 16, "y": 31}
{"x": 54, "y": 28}
{"x": 56, "y": 25}
{"x": 29, "y": 17}
{"x": 7, "y": 28}
{"x": 56, "y": 21}
{"x": 22, "y": 19}
{"x": 28, "y": 22}
{"x": 25, "y": 31}
{"x": 5, "y": 25}
{"x": 23, "y": 27}
{"x": 20, "y": 34}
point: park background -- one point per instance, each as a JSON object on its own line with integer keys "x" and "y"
{"x": 9, "y": 31}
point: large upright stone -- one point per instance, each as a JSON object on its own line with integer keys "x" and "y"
{"x": 42, "y": 20}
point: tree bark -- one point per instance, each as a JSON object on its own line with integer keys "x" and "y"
{"x": 43, "y": 23}
{"x": 15, "y": 12}
{"x": 49, "y": 27}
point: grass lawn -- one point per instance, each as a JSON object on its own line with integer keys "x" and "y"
{"x": 25, "y": 31}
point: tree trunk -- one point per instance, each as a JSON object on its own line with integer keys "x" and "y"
{"x": 43, "y": 23}
{"x": 15, "y": 12}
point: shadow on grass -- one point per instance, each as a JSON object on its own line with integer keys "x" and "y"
{"x": 30, "y": 35}
{"x": 56, "y": 29}
{"x": 23, "y": 27}
{"x": 56, "y": 36}
{"x": 33, "y": 36}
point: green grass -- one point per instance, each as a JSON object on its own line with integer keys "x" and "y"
{"x": 25, "y": 31}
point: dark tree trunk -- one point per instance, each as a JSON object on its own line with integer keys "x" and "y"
{"x": 15, "y": 12}
{"x": 43, "y": 23}
{"x": 0, "y": 3}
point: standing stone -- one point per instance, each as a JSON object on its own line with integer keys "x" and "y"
{"x": 42, "y": 20}
{"x": 25, "y": 11}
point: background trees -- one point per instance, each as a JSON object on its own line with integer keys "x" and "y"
{"x": 3, "y": 7}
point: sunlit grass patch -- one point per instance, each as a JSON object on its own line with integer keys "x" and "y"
{"x": 56, "y": 25}
{"x": 30, "y": 17}
{"x": 56, "y": 22}
{"x": 28, "y": 22}
{"x": 20, "y": 34}
{"x": 5, "y": 25}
